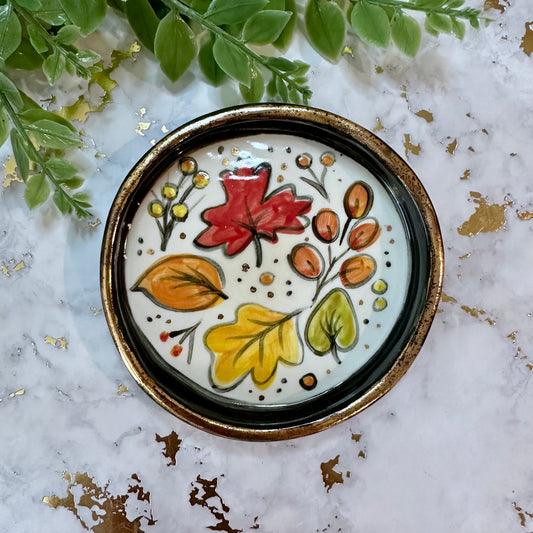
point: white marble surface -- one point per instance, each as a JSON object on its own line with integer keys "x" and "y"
{"x": 448, "y": 449}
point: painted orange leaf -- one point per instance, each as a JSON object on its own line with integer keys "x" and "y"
{"x": 253, "y": 344}
{"x": 183, "y": 282}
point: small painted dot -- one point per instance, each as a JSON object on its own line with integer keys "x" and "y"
{"x": 149, "y": 318}
{"x": 225, "y": 162}
{"x": 220, "y": 149}
{"x": 220, "y": 316}
{"x": 284, "y": 380}
{"x": 139, "y": 252}
{"x": 308, "y": 382}
{"x": 266, "y": 278}
{"x": 168, "y": 321}
{"x": 261, "y": 398}
{"x": 284, "y": 166}
{"x": 328, "y": 371}
{"x": 278, "y": 391}
{"x": 280, "y": 178}
{"x": 250, "y": 391}
{"x": 378, "y": 325}
{"x": 288, "y": 282}
{"x": 389, "y": 228}
{"x": 289, "y": 293}
{"x": 276, "y": 260}
{"x": 245, "y": 267}
{"x": 288, "y": 149}
{"x": 388, "y": 264}
{"x": 176, "y": 350}
{"x": 367, "y": 346}
{"x": 386, "y": 253}
{"x": 306, "y": 239}
{"x": 158, "y": 316}
{"x": 253, "y": 289}
{"x": 140, "y": 240}
{"x": 182, "y": 236}
{"x": 270, "y": 294}
{"x": 392, "y": 241}
{"x": 271, "y": 149}
{"x": 239, "y": 279}
{"x": 366, "y": 321}
{"x": 150, "y": 252}
{"x": 163, "y": 336}
{"x": 361, "y": 302}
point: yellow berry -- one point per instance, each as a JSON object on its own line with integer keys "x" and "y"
{"x": 155, "y": 209}
{"x": 169, "y": 191}
{"x": 201, "y": 180}
{"x": 188, "y": 165}
{"x": 179, "y": 211}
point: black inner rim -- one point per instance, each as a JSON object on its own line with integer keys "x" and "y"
{"x": 228, "y": 411}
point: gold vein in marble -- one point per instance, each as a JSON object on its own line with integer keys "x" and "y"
{"x": 5, "y": 270}
{"x": 80, "y": 109}
{"x": 379, "y": 125}
{"x": 451, "y": 147}
{"x": 476, "y": 313}
{"x": 524, "y": 215}
{"x": 409, "y": 146}
{"x": 466, "y": 174}
{"x": 446, "y": 298}
{"x": 19, "y": 392}
{"x": 500, "y": 5}
{"x": 122, "y": 389}
{"x": 486, "y": 218}
{"x": 10, "y": 173}
{"x": 172, "y": 445}
{"x": 329, "y": 475}
{"x": 142, "y": 127}
{"x": 527, "y": 39}
{"x": 59, "y": 342}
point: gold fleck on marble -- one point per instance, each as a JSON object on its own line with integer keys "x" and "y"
{"x": 19, "y": 392}
{"x": 95, "y": 310}
{"x": 379, "y": 70}
{"x": 19, "y": 266}
{"x": 356, "y": 436}
{"x": 329, "y": 475}
{"x": 142, "y": 127}
{"x": 409, "y": 146}
{"x": 446, "y": 298}
{"x": 527, "y": 39}
{"x": 522, "y": 514}
{"x": 471, "y": 149}
{"x": 10, "y": 173}
{"x": 451, "y": 147}
{"x": 500, "y": 5}
{"x": 152, "y": 142}
{"x": 466, "y": 174}
{"x": 403, "y": 94}
{"x": 142, "y": 112}
{"x": 465, "y": 256}
{"x": 60, "y": 342}
{"x": 95, "y": 223}
{"x": 425, "y": 114}
{"x": 5, "y": 270}
{"x": 172, "y": 445}
{"x": 225, "y": 162}
{"x": 476, "y": 313}
{"x": 524, "y": 215}
{"x": 205, "y": 494}
{"x": 484, "y": 130}
{"x": 347, "y": 50}
{"x": 513, "y": 335}
{"x": 486, "y": 218}
{"x": 122, "y": 389}
{"x": 100, "y": 511}
{"x": 80, "y": 109}
{"x": 164, "y": 129}
{"x": 379, "y": 125}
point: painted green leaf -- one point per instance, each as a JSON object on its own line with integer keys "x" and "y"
{"x": 50, "y": 134}
{"x": 325, "y": 26}
{"x": 265, "y": 27}
{"x": 214, "y": 74}
{"x": 283, "y": 41}
{"x": 53, "y": 67}
{"x": 332, "y": 325}
{"x": 143, "y": 21}
{"x": 371, "y": 24}
{"x": 231, "y": 12}
{"x": 21, "y": 157}
{"x": 10, "y": 91}
{"x": 254, "y": 93}
{"x": 10, "y": 31}
{"x": 232, "y": 61}
{"x": 86, "y": 14}
{"x": 406, "y": 34}
{"x": 175, "y": 45}
{"x": 37, "y": 191}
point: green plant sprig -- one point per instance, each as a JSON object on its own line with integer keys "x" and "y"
{"x": 51, "y": 133}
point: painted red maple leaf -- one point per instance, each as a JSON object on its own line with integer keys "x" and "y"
{"x": 249, "y": 216}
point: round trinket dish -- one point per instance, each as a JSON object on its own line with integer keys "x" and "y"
{"x": 268, "y": 271}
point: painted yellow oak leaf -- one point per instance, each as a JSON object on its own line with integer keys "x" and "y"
{"x": 253, "y": 344}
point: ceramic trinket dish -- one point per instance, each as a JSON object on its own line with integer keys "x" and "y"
{"x": 269, "y": 271}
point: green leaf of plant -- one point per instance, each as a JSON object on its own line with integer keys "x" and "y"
{"x": 214, "y": 74}
{"x": 282, "y": 89}
{"x": 430, "y": 29}
{"x": 440, "y": 23}
{"x": 53, "y": 67}
{"x": 24, "y": 57}
{"x": 73, "y": 183}
{"x": 34, "y": 114}
{"x": 86, "y": 14}
{"x": 430, "y": 3}
{"x": 32, "y": 5}
{"x": 61, "y": 169}
{"x": 50, "y": 134}
{"x": 10, "y": 31}
{"x": 271, "y": 87}
{"x": 325, "y": 26}
{"x": 87, "y": 56}
{"x": 175, "y": 45}
{"x": 265, "y": 27}
{"x": 458, "y": 28}
{"x": 21, "y": 156}
{"x": 371, "y": 24}
{"x": 143, "y": 21}
{"x": 275, "y": 4}
{"x": 82, "y": 199}
{"x": 232, "y": 61}
{"x": 232, "y": 12}
{"x": 254, "y": 93}
{"x": 10, "y": 91}
{"x": 294, "y": 96}
{"x": 4, "y": 127}
{"x": 37, "y": 191}
{"x": 61, "y": 200}
{"x": 36, "y": 39}
{"x": 406, "y": 34}
{"x": 68, "y": 34}
{"x": 332, "y": 325}
{"x": 52, "y": 13}
{"x": 283, "y": 41}
{"x": 474, "y": 22}
{"x": 200, "y": 5}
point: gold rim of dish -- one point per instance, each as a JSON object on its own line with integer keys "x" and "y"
{"x": 264, "y": 112}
